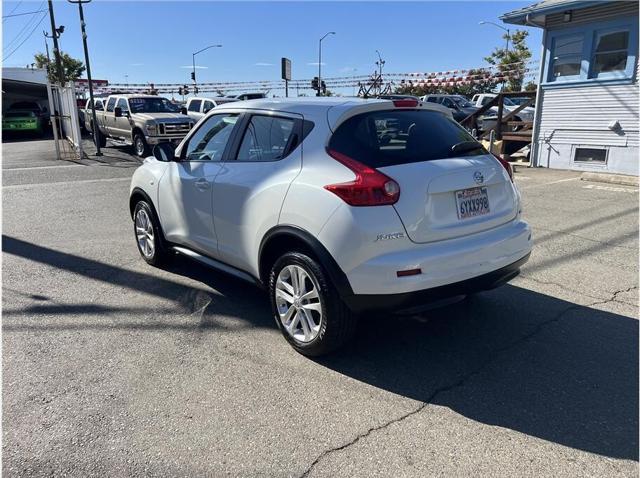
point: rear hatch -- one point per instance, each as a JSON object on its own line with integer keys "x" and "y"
{"x": 446, "y": 191}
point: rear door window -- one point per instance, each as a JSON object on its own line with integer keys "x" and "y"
{"x": 387, "y": 138}
{"x": 266, "y": 139}
{"x": 111, "y": 104}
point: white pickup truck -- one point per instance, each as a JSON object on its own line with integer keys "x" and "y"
{"x": 198, "y": 107}
{"x": 481, "y": 99}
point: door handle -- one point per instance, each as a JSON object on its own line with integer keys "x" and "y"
{"x": 202, "y": 184}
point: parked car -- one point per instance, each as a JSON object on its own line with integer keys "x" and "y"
{"x": 302, "y": 197}
{"x": 459, "y": 105}
{"x": 248, "y": 96}
{"x": 88, "y": 116}
{"x": 25, "y": 121}
{"x": 198, "y": 107}
{"x": 40, "y": 111}
{"x": 142, "y": 120}
{"x": 482, "y": 99}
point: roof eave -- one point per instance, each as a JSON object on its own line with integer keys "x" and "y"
{"x": 536, "y": 15}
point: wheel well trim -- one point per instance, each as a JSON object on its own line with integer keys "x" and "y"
{"x": 143, "y": 193}
{"x": 335, "y": 273}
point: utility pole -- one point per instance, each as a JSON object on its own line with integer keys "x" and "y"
{"x": 96, "y": 130}
{"x": 55, "y": 33}
{"x": 193, "y": 72}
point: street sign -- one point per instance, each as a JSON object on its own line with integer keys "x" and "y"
{"x": 286, "y": 69}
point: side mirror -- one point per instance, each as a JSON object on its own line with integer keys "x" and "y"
{"x": 206, "y": 110}
{"x": 44, "y": 109}
{"x": 183, "y": 110}
{"x": 164, "y": 152}
{"x": 117, "y": 111}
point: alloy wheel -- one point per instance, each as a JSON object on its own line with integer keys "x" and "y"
{"x": 298, "y": 303}
{"x": 144, "y": 233}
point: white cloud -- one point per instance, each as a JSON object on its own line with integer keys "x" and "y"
{"x": 262, "y": 63}
{"x": 136, "y": 64}
{"x": 198, "y": 67}
{"x": 315, "y": 63}
{"x": 348, "y": 69}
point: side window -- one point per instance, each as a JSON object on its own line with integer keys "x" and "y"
{"x": 266, "y": 139}
{"x": 209, "y": 141}
{"x": 432, "y": 99}
{"x": 208, "y": 106}
{"x": 122, "y": 104}
{"x": 99, "y": 106}
{"x": 194, "y": 105}
{"x": 486, "y": 100}
{"x": 448, "y": 103}
{"x": 111, "y": 104}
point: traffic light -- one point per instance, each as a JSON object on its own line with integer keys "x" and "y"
{"x": 324, "y": 87}
{"x": 185, "y": 90}
{"x": 195, "y": 90}
{"x": 181, "y": 91}
{"x": 193, "y": 76}
{"x": 314, "y": 83}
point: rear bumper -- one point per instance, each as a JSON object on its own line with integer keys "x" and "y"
{"x": 365, "y": 302}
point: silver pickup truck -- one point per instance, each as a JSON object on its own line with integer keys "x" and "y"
{"x": 140, "y": 120}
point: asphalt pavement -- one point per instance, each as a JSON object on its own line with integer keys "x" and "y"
{"x": 112, "y": 367}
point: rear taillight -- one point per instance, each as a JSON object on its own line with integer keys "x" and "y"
{"x": 506, "y": 165}
{"x": 405, "y": 103}
{"x": 369, "y": 188}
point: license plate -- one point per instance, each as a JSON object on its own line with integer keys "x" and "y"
{"x": 472, "y": 203}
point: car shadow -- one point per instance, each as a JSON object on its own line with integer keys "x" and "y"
{"x": 510, "y": 357}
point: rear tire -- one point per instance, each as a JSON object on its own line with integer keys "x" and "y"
{"x": 306, "y": 306}
{"x": 148, "y": 234}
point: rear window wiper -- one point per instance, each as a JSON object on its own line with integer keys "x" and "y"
{"x": 465, "y": 147}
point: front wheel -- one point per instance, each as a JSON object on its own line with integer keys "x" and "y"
{"x": 149, "y": 237}
{"x": 306, "y": 306}
{"x": 140, "y": 145}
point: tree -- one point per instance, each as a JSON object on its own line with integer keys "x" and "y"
{"x": 512, "y": 64}
{"x": 531, "y": 86}
{"x": 72, "y": 69}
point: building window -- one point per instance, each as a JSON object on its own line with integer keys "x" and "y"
{"x": 611, "y": 51}
{"x": 590, "y": 156}
{"x": 567, "y": 55}
{"x": 601, "y": 51}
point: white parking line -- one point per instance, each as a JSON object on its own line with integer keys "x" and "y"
{"x": 42, "y": 167}
{"x": 66, "y": 183}
{"x": 610, "y": 188}
{"x": 553, "y": 182}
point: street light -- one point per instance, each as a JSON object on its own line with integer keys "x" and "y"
{"x": 193, "y": 57}
{"x": 320, "y": 60}
{"x": 501, "y": 28}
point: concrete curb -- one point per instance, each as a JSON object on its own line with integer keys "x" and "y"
{"x": 610, "y": 178}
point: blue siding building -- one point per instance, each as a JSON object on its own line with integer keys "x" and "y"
{"x": 588, "y": 97}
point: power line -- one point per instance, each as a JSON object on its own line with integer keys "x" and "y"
{"x": 28, "y": 36}
{"x": 25, "y": 13}
{"x": 16, "y": 7}
{"x": 27, "y": 25}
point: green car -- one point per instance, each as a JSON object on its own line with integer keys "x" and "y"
{"x": 22, "y": 121}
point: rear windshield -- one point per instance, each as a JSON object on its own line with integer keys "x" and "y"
{"x": 387, "y": 138}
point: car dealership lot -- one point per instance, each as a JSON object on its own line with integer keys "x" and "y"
{"x": 113, "y": 367}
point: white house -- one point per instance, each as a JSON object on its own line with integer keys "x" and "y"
{"x": 587, "y": 104}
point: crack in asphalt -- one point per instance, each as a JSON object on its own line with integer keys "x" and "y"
{"x": 462, "y": 380}
{"x": 568, "y": 289}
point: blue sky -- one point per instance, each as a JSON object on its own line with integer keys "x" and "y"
{"x": 153, "y": 41}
